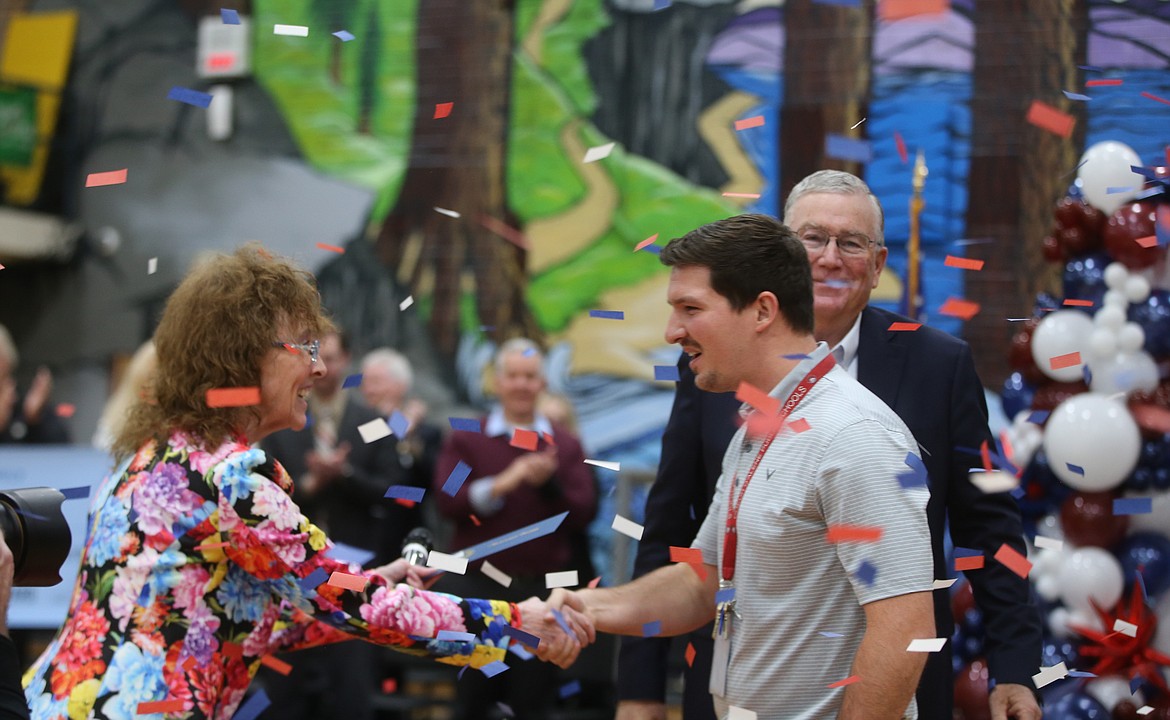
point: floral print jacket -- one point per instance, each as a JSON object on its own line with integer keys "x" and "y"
{"x": 197, "y": 564}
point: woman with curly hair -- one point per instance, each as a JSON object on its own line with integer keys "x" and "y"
{"x": 198, "y": 564}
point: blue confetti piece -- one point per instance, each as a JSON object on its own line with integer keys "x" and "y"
{"x": 962, "y": 552}
{"x": 1075, "y": 469}
{"x": 570, "y": 689}
{"x": 352, "y": 381}
{"x": 795, "y": 356}
{"x": 866, "y": 572}
{"x": 653, "y": 249}
{"x": 456, "y": 479}
{"x": 724, "y": 595}
{"x": 1135, "y": 684}
{"x": 350, "y": 554}
{"x": 1091, "y": 68}
{"x": 399, "y": 425}
{"x": 831, "y": 634}
{"x": 846, "y": 148}
{"x": 344, "y": 35}
{"x": 652, "y": 628}
{"x": 405, "y": 492}
{"x": 455, "y": 636}
{"x": 229, "y": 17}
{"x": 1118, "y": 189}
{"x": 466, "y": 424}
{"x": 661, "y": 5}
{"x": 253, "y": 706}
{"x": 1141, "y": 582}
{"x": 1076, "y": 96}
{"x": 190, "y": 97}
{"x": 608, "y": 314}
{"x": 520, "y": 636}
{"x": 666, "y": 372}
{"x": 459, "y": 675}
{"x": 1145, "y": 172}
{"x": 75, "y": 493}
{"x": 31, "y": 515}
{"x": 916, "y": 476}
{"x": 520, "y": 651}
{"x": 1082, "y": 674}
{"x": 1133, "y": 506}
{"x": 561, "y": 621}
{"x": 1039, "y": 417}
{"x": 495, "y": 667}
{"x": 311, "y": 581}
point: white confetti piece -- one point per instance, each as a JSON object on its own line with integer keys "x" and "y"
{"x": 450, "y": 563}
{"x": 928, "y": 645}
{"x": 1048, "y": 675}
{"x": 1048, "y": 543}
{"x": 406, "y": 303}
{"x": 375, "y": 429}
{"x": 627, "y": 527}
{"x": 943, "y": 584}
{"x": 604, "y": 464}
{"x": 152, "y": 266}
{"x": 568, "y": 578}
{"x": 738, "y": 713}
{"x": 496, "y": 574}
{"x": 1125, "y": 628}
{"x": 600, "y": 152}
{"x": 448, "y": 213}
{"x": 995, "y": 481}
{"x": 292, "y": 30}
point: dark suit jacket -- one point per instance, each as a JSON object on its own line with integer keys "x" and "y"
{"x": 352, "y": 509}
{"x": 928, "y": 378}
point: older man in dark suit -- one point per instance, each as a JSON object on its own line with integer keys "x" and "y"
{"x": 928, "y": 378}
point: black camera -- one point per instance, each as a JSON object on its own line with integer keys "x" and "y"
{"x": 36, "y": 532}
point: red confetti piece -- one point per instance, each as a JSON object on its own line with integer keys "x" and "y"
{"x": 233, "y": 397}
{"x": 685, "y": 554}
{"x": 853, "y": 533}
{"x": 899, "y": 9}
{"x": 524, "y": 439}
{"x": 211, "y": 546}
{"x": 442, "y": 110}
{"x": 474, "y": 520}
{"x": 101, "y": 179}
{"x": 66, "y": 410}
{"x": 901, "y": 145}
{"x": 160, "y": 706}
{"x": 331, "y": 248}
{"x": 189, "y": 663}
{"x": 963, "y": 263}
{"x": 1013, "y": 560}
{"x": 1103, "y": 82}
{"x": 962, "y": 309}
{"x": 404, "y": 502}
{"x": 595, "y": 582}
{"x": 504, "y": 230}
{"x": 690, "y": 654}
{"x": 847, "y": 681}
{"x": 345, "y": 581}
{"x": 752, "y": 122}
{"x": 904, "y": 326}
{"x": 741, "y": 195}
{"x": 1150, "y": 241}
{"x": 276, "y": 664}
{"x": 985, "y": 456}
{"x": 648, "y": 241}
{"x": 1068, "y": 360}
{"x": 969, "y": 563}
{"x": 799, "y": 425}
{"x": 1071, "y": 302}
{"x": 757, "y": 398}
{"x": 547, "y": 438}
{"x": 389, "y": 686}
{"x": 1046, "y": 117}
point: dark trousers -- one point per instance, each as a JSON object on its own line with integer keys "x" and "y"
{"x": 331, "y": 682}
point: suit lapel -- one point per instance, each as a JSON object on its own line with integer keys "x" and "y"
{"x": 881, "y": 357}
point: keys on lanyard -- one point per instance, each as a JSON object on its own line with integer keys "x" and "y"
{"x": 724, "y": 609}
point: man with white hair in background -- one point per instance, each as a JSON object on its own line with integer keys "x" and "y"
{"x": 29, "y": 419}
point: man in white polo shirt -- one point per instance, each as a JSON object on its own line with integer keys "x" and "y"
{"x": 815, "y": 558}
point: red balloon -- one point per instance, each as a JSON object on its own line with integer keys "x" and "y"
{"x": 962, "y": 600}
{"x": 1051, "y": 394}
{"x": 1050, "y": 246}
{"x": 1078, "y": 227}
{"x": 1087, "y": 519}
{"x": 1020, "y": 354}
{"x": 971, "y": 692}
{"x": 1151, "y": 411}
{"x": 1125, "y": 710}
{"x": 1125, "y": 227}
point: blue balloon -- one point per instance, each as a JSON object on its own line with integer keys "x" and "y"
{"x": 1154, "y": 317}
{"x": 1055, "y": 651}
{"x": 1077, "y": 705}
{"x": 1017, "y": 395}
{"x": 1149, "y": 551}
{"x": 1084, "y": 278}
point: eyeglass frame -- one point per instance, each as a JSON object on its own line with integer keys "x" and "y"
{"x": 863, "y": 249}
{"x": 313, "y": 348}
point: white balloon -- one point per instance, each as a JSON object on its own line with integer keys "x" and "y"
{"x": 1131, "y": 337}
{"x": 1161, "y": 641}
{"x": 1110, "y": 690}
{"x": 1157, "y": 520}
{"x": 1106, "y": 166}
{"x": 1115, "y": 299}
{"x": 1102, "y": 343}
{"x": 1096, "y": 434}
{"x": 1060, "y": 333}
{"x": 1058, "y": 622}
{"x": 1111, "y": 317}
{"x": 1115, "y": 276}
{"x": 1137, "y": 289}
{"x": 1090, "y": 572}
{"x": 1048, "y": 587}
{"x": 1125, "y": 372}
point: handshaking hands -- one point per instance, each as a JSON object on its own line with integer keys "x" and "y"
{"x": 562, "y": 624}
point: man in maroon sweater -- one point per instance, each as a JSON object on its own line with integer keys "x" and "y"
{"x": 523, "y": 469}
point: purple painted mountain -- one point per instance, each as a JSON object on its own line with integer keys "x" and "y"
{"x": 753, "y": 41}
{"x": 931, "y": 42}
{"x": 1135, "y": 35}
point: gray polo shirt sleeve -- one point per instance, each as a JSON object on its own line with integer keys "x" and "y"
{"x": 858, "y": 486}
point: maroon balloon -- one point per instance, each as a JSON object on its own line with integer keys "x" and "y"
{"x": 1151, "y": 411}
{"x": 1051, "y": 394}
{"x": 1020, "y": 354}
{"x": 1078, "y": 227}
{"x": 1087, "y": 519}
{"x": 1125, "y": 710}
{"x": 971, "y": 692}
{"x": 1050, "y": 246}
{"x": 1125, "y": 227}
{"x": 962, "y": 600}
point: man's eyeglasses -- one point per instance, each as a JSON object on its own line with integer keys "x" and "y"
{"x": 313, "y": 348}
{"x": 815, "y": 241}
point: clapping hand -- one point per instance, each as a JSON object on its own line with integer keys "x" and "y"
{"x": 561, "y": 638}
{"x": 416, "y": 576}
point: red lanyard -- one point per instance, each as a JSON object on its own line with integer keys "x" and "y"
{"x": 730, "y": 533}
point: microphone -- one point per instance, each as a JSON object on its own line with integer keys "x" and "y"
{"x": 417, "y": 546}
